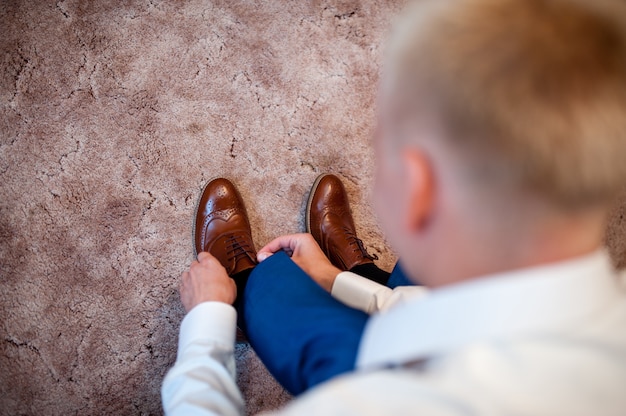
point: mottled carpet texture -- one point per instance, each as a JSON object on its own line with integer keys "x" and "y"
{"x": 113, "y": 116}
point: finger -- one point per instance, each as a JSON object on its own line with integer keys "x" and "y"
{"x": 205, "y": 256}
{"x": 233, "y": 284}
{"x": 184, "y": 277}
{"x": 285, "y": 242}
{"x": 262, "y": 256}
{"x": 275, "y": 245}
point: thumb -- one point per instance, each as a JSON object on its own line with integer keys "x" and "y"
{"x": 285, "y": 243}
{"x": 263, "y": 255}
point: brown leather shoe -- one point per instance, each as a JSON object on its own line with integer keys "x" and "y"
{"x": 329, "y": 220}
{"x": 222, "y": 227}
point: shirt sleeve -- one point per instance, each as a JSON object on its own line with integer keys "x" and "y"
{"x": 363, "y": 294}
{"x": 202, "y": 381}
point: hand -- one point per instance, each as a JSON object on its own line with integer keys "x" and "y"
{"x": 206, "y": 281}
{"x": 307, "y": 254}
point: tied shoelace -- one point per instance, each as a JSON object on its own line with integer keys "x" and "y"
{"x": 353, "y": 240}
{"x": 238, "y": 246}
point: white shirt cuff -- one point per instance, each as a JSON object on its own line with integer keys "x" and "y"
{"x": 212, "y": 321}
{"x": 365, "y": 295}
{"x": 359, "y": 293}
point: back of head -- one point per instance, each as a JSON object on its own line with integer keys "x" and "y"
{"x": 532, "y": 91}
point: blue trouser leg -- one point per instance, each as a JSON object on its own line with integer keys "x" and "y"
{"x": 301, "y": 333}
{"x": 398, "y": 278}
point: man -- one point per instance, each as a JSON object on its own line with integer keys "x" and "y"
{"x": 501, "y": 141}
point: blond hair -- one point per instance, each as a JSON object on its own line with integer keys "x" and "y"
{"x": 537, "y": 85}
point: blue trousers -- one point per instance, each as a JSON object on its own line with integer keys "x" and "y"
{"x": 299, "y": 331}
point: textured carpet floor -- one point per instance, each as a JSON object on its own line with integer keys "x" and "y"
{"x": 113, "y": 116}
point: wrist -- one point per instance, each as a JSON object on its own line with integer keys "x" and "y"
{"x": 328, "y": 277}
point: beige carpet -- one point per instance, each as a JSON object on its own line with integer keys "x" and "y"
{"x": 113, "y": 116}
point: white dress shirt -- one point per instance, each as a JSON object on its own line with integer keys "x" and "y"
{"x": 549, "y": 340}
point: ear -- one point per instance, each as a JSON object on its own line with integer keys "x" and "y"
{"x": 420, "y": 188}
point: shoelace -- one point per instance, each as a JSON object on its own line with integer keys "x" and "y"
{"x": 237, "y": 247}
{"x": 353, "y": 240}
